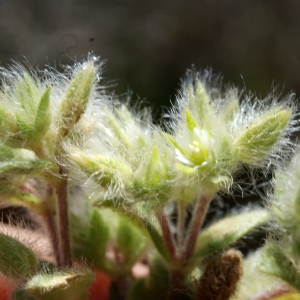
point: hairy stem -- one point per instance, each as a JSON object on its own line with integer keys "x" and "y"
{"x": 63, "y": 224}
{"x": 167, "y": 234}
{"x": 52, "y": 232}
{"x": 195, "y": 225}
{"x": 181, "y": 207}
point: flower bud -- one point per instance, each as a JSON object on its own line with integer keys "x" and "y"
{"x": 76, "y": 98}
{"x": 43, "y": 116}
{"x": 103, "y": 169}
{"x": 257, "y": 139}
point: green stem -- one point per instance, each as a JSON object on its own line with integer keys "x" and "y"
{"x": 63, "y": 223}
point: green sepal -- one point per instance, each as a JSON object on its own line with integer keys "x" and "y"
{"x": 190, "y": 122}
{"x": 76, "y": 98}
{"x": 227, "y": 231}
{"x": 8, "y": 123}
{"x": 124, "y": 114}
{"x": 25, "y": 130}
{"x": 185, "y": 169}
{"x": 158, "y": 241}
{"x": 16, "y": 260}
{"x": 129, "y": 241}
{"x": 68, "y": 284}
{"x": 202, "y": 100}
{"x": 25, "y": 92}
{"x": 173, "y": 142}
{"x": 43, "y": 115}
{"x": 274, "y": 262}
{"x": 114, "y": 125}
{"x": 152, "y": 176}
{"x": 257, "y": 139}
{"x": 232, "y": 105}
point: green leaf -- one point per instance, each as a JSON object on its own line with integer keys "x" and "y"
{"x": 43, "y": 115}
{"x": 138, "y": 288}
{"x": 13, "y": 196}
{"x": 68, "y": 284}
{"x": 29, "y": 168}
{"x": 6, "y": 153}
{"x": 76, "y": 98}
{"x": 16, "y": 260}
{"x": 98, "y": 238}
{"x": 90, "y": 241}
{"x": 274, "y": 262}
{"x": 159, "y": 279}
{"x": 227, "y": 231}
{"x": 158, "y": 241}
{"x": 129, "y": 242}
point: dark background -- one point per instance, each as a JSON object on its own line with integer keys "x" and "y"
{"x": 148, "y": 45}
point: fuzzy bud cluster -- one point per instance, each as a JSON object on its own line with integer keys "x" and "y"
{"x": 216, "y": 131}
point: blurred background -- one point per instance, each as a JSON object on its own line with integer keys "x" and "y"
{"x": 148, "y": 45}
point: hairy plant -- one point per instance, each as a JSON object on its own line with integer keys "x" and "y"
{"x": 106, "y": 182}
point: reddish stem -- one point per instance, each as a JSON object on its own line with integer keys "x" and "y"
{"x": 177, "y": 286}
{"x": 63, "y": 224}
{"x": 167, "y": 234}
{"x": 181, "y": 208}
{"x": 195, "y": 225}
{"x": 52, "y": 232}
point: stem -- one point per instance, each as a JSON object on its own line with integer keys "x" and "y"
{"x": 51, "y": 228}
{"x": 180, "y": 227}
{"x": 272, "y": 293}
{"x": 63, "y": 223}
{"x": 195, "y": 225}
{"x": 177, "y": 286}
{"x": 167, "y": 235}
